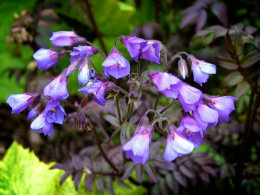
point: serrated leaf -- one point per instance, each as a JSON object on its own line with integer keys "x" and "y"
{"x": 250, "y": 59}
{"x": 112, "y": 120}
{"x": 139, "y": 171}
{"x": 232, "y": 79}
{"x": 188, "y": 173}
{"x": 241, "y": 89}
{"x": 219, "y": 9}
{"x": 227, "y": 63}
{"x": 151, "y": 172}
{"x": 109, "y": 185}
{"x": 171, "y": 183}
{"x": 128, "y": 170}
{"x": 180, "y": 178}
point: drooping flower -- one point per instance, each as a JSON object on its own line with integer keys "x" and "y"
{"x": 53, "y": 113}
{"x": 66, "y": 38}
{"x": 189, "y": 97}
{"x": 47, "y": 58}
{"x": 167, "y": 84}
{"x": 98, "y": 90}
{"x": 176, "y": 145}
{"x": 134, "y": 45}
{"x": 19, "y": 102}
{"x": 205, "y": 116}
{"x": 116, "y": 65}
{"x": 183, "y": 69}
{"x": 57, "y": 89}
{"x": 138, "y": 147}
{"x": 151, "y": 52}
{"x": 190, "y": 129}
{"x": 224, "y": 105}
{"x": 81, "y": 52}
{"x": 201, "y": 70}
{"x": 84, "y": 71}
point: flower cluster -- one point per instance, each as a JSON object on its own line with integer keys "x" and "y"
{"x": 199, "y": 110}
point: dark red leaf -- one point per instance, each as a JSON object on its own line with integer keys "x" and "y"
{"x": 89, "y": 179}
{"x": 163, "y": 187}
{"x": 242, "y": 89}
{"x": 219, "y": 9}
{"x": 189, "y": 18}
{"x": 64, "y": 176}
{"x": 187, "y": 172}
{"x": 250, "y": 59}
{"x": 139, "y": 171}
{"x": 180, "y": 178}
{"x": 227, "y": 63}
{"x": 233, "y": 79}
{"x": 99, "y": 183}
{"x": 204, "y": 176}
{"x": 151, "y": 172}
{"x": 201, "y": 20}
{"x": 77, "y": 179}
{"x": 109, "y": 185}
{"x": 172, "y": 183}
{"x": 128, "y": 170}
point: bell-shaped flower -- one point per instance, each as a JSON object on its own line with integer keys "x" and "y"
{"x": 66, "y": 38}
{"x": 224, "y": 105}
{"x": 201, "y": 70}
{"x": 189, "y": 97}
{"x": 138, "y": 147}
{"x": 84, "y": 71}
{"x": 53, "y": 113}
{"x": 98, "y": 90}
{"x": 190, "y": 129}
{"x": 41, "y": 125}
{"x": 151, "y": 52}
{"x": 19, "y": 102}
{"x": 176, "y": 145}
{"x": 167, "y": 84}
{"x": 81, "y": 52}
{"x": 116, "y": 65}
{"x": 205, "y": 116}
{"x": 134, "y": 45}
{"x": 57, "y": 89}
{"x": 47, "y": 58}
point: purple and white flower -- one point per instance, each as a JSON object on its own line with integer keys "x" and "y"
{"x": 151, "y": 53}
{"x": 116, "y": 65}
{"x": 190, "y": 129}
{"x": 134, "y": 45}
{"x": 47, "y": 58}
{"x": 98, "y": 90}
{"x": 205, "y": 116}
{"x": 223, "y": 105}
{"x": 66, "y": 38}
{"x": 201, "y": 70}
{"x": 53, "y": 113}
{"x": 34, "y": 111}
{"x": 19, "y": 102}
{"x": 176, "y": 145}
{"x": 138, "y": 147}
{"x": 57, "y": 89}
{"x": 81, "y": 52}
{"x": 167, "y": 84}
{"x": 189, "y": 97}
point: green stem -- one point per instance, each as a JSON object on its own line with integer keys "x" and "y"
{"x": 167, "y": 107}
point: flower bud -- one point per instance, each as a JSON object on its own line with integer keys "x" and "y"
{"x": 183, "y": 69}
{"x": 66, "y": 38}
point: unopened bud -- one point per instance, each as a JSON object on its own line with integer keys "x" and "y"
{"x": 183, "y": 69}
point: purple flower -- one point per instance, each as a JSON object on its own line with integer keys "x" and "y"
{"x": 84, "y": 75}
{"x": 66, "y": 38}
{"x": 224, "y": 105}
{"x": 151, "y": 53}
{"x": 116, "y": 65}
{"x": 182, "y": 67}
{"x": 81, "y": 52}
{"x": 53, "y": 113}
{"x": 189, "y": 97}
{"x": 98, "y": 90}
{"x": 190, "y": 129}
{"x": 42, "y": 126}
{"x": 47, "y": 58}
{"x": 205, "y": 116}
{"x": 167, "y": 84}
{"x": 134, "y": 45}
{"x": 176, "y": 145}
{"x": 19, "y": 102}
{"x": 57, "y": 89}
{"x": 138, "y": 147}
{"x": 201, "y": 70}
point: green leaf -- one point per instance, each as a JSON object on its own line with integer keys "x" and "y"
{"x": 22, "y": 173}
{"x": 250, "y": 59}
{"x": 227, "y": 63}
{"x": 241, "y": 89}
{"x": 232, "y": 79}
